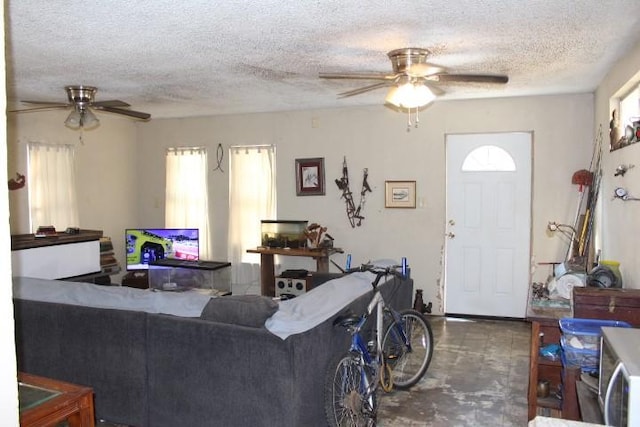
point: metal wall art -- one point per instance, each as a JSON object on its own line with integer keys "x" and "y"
{"x": 353, "y": 213}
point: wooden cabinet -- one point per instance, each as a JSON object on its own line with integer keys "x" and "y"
{"x": 607, "y": 304}
{"x": 57, "y": 256}
{"x": 588, "y": 303}
{"x": 559, "y": 405}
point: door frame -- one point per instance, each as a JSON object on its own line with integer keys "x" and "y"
{"x": 529, "y": 249}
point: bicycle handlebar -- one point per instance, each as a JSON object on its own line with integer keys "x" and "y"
{"x": 379, "y": 271}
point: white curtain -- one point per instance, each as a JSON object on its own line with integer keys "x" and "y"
{"x": 187, "y": 194}
{"x": 252, "y": 198}
{"x": 51, "y": 180}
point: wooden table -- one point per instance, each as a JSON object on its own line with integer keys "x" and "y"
{"x": 46, "y": 402}
{"x": 267, "y": 266}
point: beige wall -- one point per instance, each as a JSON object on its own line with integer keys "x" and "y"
{"x": 106, "y": 171}
{"x": 376, "y": 138}
{"x": 121, "y": 172}
{"x": 8, "y": 383}
{"x": 620, "y": 226}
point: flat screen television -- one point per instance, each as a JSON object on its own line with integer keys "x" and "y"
{"x": 145, "y": 245}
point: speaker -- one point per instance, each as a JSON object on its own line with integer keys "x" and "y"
{"x": 291, "y": 286}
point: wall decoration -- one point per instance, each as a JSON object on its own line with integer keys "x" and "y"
{"x": 18, "y": 183}
{"x": 219, "y": 158}
{"x": 354, "y": 214}
{"x": 310, "y": 177}
{"x": 400, "y": 194}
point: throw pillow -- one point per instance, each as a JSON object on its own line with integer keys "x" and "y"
{"x": 244, "y": 310}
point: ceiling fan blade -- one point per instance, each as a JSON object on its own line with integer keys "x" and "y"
{"x": 435, "y": 89}
{"x": 471, "y": 78}
{"x": 50, "y": 103}
{"x": 363, "y": 89}
{"x": 130, "y": 113}
{"x": 43, "y": 108}
{"x": 110, "y": 103}
{"x": 424, "y": 69}
{"x": 358, "y": 76}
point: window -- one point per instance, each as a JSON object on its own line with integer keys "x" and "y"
{"x": 629, "y": 108}
{"x": 252, "y": 198}
{"x": 52, "y": 186}
{"x": 187, "y": 195}
{"x": 488, "y": 158}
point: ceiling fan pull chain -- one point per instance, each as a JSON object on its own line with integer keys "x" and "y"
{"x": 409, "y": 120}
{"x": 417, "y": 117}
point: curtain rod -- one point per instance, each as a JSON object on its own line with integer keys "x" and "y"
{"x": 233, "y": 147}
{"x": 171, "y": 149}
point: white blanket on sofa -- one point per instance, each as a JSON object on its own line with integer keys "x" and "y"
{"x": 302, "y": 313}
{"x": 184, "y": 304}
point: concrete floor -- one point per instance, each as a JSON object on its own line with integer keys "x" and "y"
{"x": 478, "y": 377}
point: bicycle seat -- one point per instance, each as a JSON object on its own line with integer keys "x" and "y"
{"x": 346, "y": 320}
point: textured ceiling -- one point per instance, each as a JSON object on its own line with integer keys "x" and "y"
{"x": 201, "y": 57}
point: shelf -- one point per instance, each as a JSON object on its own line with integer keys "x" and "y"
{"x": 549, "y": 362}
{"x": 29, "y": 241}
{"x": 550, "y": 402}
{"x": 552, "y": 370}
{"x": 589, "y": 407}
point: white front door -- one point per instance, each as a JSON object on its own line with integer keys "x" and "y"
{"x": 488, "y": 224}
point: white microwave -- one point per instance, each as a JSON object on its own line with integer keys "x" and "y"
{"x": 619, "y": 383}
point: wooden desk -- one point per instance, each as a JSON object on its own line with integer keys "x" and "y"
{"x": 267, "y": 266}
{"x": 47, "y": 402}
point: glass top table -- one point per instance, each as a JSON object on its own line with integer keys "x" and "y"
{"x": 31, "y": 396}
{"x": 45, "y": 402}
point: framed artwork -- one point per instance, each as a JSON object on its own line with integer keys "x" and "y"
{"x": 399, "y": 194}
{"x": 310, "y": 177}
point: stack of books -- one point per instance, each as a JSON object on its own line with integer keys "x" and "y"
{"x": 108, "y": 262}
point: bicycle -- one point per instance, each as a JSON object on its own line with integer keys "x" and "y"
{"x": 397, "y": 358}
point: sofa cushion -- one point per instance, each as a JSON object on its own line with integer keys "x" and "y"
{"x": 244, "y": 310}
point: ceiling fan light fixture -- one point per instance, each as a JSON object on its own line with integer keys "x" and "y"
{"x": 73, "y": 120}
{"x": 410, "y": 95}
{"x": 81, "y": 118}
{"x": 89, "y": 120}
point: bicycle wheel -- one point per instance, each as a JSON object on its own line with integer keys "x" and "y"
{"x": 344, "y": 403}
{"x": 408, "y": 363}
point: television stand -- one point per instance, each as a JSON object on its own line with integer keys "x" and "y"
{"x": 136, "y": 279}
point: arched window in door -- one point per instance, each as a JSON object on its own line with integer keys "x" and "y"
{"x": 488, "y": 158}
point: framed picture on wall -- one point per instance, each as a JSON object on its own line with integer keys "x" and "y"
{"x": 310, "y": 177}
{"x": 400, "y": 194}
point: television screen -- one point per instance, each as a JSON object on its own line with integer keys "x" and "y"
{"x": 145, "y": 245}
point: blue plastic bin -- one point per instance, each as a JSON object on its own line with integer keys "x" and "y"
{"x": 580, "y": 341}
{"x": 587, "y": 330}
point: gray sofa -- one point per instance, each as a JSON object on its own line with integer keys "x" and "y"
{"x": 222, "y": 367}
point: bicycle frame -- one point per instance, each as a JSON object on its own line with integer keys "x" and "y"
{"x": 380, "y": 356}
{"x": 359, "y": 346}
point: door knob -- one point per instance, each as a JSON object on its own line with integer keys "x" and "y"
{"x": 450, "y": 235}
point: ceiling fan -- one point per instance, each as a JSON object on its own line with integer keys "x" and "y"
{"x": 414, "y": 81}
{"x": 82, "y": 101}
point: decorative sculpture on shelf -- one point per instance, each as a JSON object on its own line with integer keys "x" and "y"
{"x": 354, "y": 214}
{"x": 314, "y": 234}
